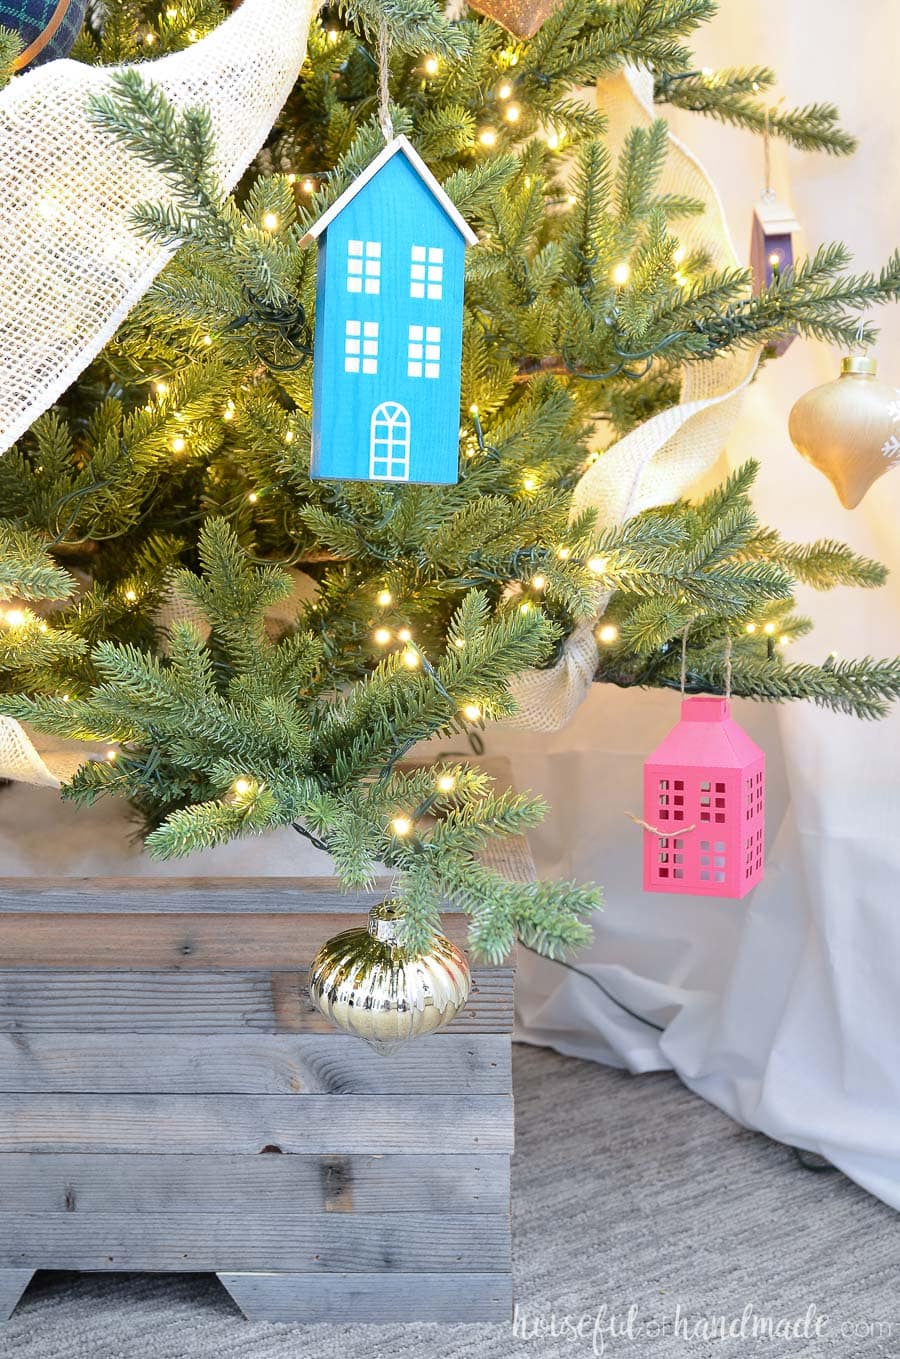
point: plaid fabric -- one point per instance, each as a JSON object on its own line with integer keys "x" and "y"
{"x": 29, "y": 18}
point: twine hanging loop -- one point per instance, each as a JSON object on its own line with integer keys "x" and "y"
{"x": 655, "y": 830}
{"x": 384, "y": 93}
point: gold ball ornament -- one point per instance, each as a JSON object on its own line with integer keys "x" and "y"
{"x": 521, "y": 18}
{"x": 367, "y": 984}
{"x": 849, "y": 429}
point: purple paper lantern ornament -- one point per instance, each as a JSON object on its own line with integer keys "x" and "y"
{"x": 704, "y": 797}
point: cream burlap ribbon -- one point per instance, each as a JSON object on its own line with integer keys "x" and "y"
{"x": 654, "y": 464}
{"x": 659, "y": 460}
{"x": 71, "y": 266}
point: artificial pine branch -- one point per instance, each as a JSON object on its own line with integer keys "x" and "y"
{"x": 265, "y": 743}
{"x": 180, "y": 461}
{"x": 10, "y": 50}
{"x": 731, "y": 95}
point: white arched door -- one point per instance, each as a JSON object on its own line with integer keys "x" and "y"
{"x": 389, "y": 443}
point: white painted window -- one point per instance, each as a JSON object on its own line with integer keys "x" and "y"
{"x": 389, "y": 443}
{"x": 361, "y": 347}
{"x": 423, "y": 352}
{"x": 364, "y": 267}
{"x": 426, "y": 272}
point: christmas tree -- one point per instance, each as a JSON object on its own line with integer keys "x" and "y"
{"x": 177, "y": 468}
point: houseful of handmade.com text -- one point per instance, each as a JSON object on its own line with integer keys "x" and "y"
{"x": 605, "y": 1329}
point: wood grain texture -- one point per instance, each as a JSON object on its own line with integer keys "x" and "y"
{"x": 248, "y": 1124}
{"x": 255, "y": 1063}
{"x": 293, "y": 896}
{"x": 240, "y": 1185}
{"x": 371, "y": 1297}
{"x": 158, "y": 1051}
{"x": 286, "y": 1241}
{"x": 13, "y": 1283}
{"x": 34, "y": 1001}
{"x": 179, "y": 941}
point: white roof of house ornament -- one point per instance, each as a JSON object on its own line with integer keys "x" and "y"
{"x": 398, "y": 144}
{"x": 775, "y": 217}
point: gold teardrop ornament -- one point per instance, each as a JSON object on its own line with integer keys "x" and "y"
{"x": 849, "y": 429}
{"x": 366, "y": 983}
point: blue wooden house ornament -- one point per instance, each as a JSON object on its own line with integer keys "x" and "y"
{"x": 389, "y": 309}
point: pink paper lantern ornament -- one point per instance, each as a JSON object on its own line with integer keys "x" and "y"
{"x": 704, "y": 798}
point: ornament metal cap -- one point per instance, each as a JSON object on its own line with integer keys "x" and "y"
{"x": 382, "y": 923}
{"x": 859, "y": 363}
{"x": 366, "y": 983}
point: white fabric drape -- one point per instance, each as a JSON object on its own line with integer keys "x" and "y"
{"x": 783, "y": 1010}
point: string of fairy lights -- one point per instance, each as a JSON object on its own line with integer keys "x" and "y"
{"x": 509, "y": 110}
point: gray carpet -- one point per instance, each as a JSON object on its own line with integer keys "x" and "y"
{"x": 626, "y": 1192}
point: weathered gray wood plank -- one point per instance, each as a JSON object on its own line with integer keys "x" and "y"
{"x": 241, "y": 1185}
{"x": 247, "y": 1124}
{"x": 287, "y": 1241}
{"x": 187, "y": 895}
{"x": 371, "y": 1297}
{"x": 32, "y": 1000}
{"x": 249, "y": 1063}
{"x": 180, "y": 940}
{"x": 13, "y": 1283}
